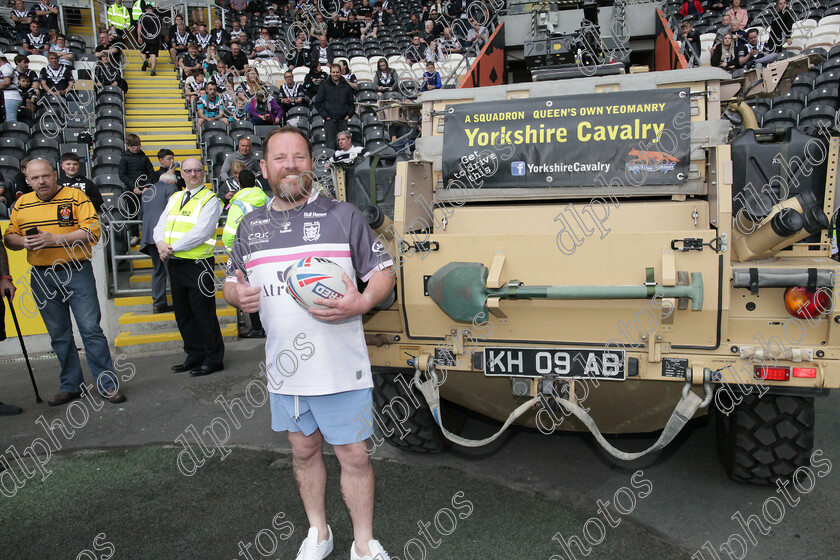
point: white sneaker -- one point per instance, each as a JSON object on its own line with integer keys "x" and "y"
{"x": 376, "y": 552}
{"x": 311, "y": 549}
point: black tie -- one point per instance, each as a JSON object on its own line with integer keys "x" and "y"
{"x": 186, "y": 199}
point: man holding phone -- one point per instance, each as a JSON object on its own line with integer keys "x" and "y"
{"x": 57, "y": 226}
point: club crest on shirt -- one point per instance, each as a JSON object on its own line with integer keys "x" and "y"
{"x": 65, "y": 214}
{"x": 311, "y": 231}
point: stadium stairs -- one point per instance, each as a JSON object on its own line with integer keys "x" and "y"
{"x": 155, "y": 112}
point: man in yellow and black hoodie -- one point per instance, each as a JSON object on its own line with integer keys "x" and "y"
{"x": 58, "y": 226}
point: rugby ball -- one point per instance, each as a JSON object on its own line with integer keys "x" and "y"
{"x": 314, "y": 277}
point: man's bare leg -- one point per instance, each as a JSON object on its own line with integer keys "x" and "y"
{"x": 311, "y": 476}
{"x": 357, "y": 487}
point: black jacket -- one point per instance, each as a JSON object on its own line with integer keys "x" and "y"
{"x": 134, "y": 167}
{"x": 335, "y": 101}
{"x": 86, "y": 186}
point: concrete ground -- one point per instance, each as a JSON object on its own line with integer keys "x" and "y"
{"x": 550, "y": 484}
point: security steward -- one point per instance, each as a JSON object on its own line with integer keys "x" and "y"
{"x": 119, "y": 17}
{"x": 185, "y": 237}
{"x": 139, "y": 9}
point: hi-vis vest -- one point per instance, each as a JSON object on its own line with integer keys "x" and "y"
{"x": 181, "y": 220}
{"x": 242, "y": 203}
{"x": 118, "y": 16}
{"x": 138, "y": 9}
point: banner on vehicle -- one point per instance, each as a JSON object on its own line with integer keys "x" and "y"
{"x": 643, "y": 137}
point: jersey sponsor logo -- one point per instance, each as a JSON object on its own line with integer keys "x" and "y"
{"x": 314, "y": 214}
{"x": 65, "y": 214}
{"x": 285, "y": 228}
{"x": 311, "y": 231}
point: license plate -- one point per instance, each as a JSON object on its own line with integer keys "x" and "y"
{"x": 568, "y": 363}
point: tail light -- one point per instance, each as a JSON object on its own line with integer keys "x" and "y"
{"x": 806, "y": 304}
{"x": 804, "y": 372}
{"x": 772, "y": 373}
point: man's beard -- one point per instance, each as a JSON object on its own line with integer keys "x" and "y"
{"x": 301, "y": 190}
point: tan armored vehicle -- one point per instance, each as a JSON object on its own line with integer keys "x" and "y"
{"x": 609, "y": 254}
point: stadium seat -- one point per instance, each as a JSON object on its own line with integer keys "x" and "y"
{"x": 792, "y": 99}
{"x": 106, "y": 165}
{"x": 108, "y": 181}
{"x": 110, "y": 129}
{"x": 17, "y": 129}
{"x": 817, "y": 115}
{"x": 318, "y": 137}
{"x": 12, "y": 147}
{"x": 207, "y": 126}
{"x": 108, "y": 146}
{"x": 246, "y": 126}
{"x": 825, "y": 95}
{"x": 320, "y": 157}
{"x": 780, "y": 118}
{"x": 9, "y": 166}
{"x": 43, "y": 148}
{"x": 380, "y": 148}
{"x": 262, "y": 130}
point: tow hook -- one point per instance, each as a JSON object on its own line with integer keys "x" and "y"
{"x": 707, "y": 385}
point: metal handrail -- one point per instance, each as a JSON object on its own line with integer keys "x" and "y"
{"x": 116, "y": 259}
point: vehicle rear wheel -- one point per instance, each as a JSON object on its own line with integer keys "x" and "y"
{"x": 420, "y": 432}
{"x": 765, "y": 439}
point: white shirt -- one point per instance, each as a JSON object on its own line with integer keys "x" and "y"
{"x": 11, "y": 92}
{"x": 208, "y": 221}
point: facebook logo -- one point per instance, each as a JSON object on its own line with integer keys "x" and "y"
{"x": 517, "y": 168}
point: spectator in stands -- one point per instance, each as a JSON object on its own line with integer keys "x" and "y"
{"x": 353, "y": 27}
{"x": 336, "y": 29}
{"x": 106, "y": 74}
{"x": 9, "y": 85}
{"x": 109, "y": 47}
{"x": 154, "y": 201}
{"x": 434, "y": 52}
{"x": 431, "y": 78}
{"x": 691, "y": 7}
{"x": 299, "y": 55}
{"x": 335, "y": 102}
{"x": 386, "y": 79}
{"x": 220, "y": 35}
{"x": 724, "y": 55}
{"x": 21, "y": 182}
{"x": 248, "y": 89}
{"x": 47, "y": 15}
{"x": 318, "y": 29}
{"x": 346, "y": 10}
{"x": 428, "y": 34}
{"x": 349, "y": 76}
{"x": 725, "y": 27}
{"x": 71, "y": 176}
{"x": 35, "y": 42}
{"x": 243, "y": 154}
{"x": 21, "y": 17}
{"x": 166, "y": 158}
{"x": 477, "y": 35}
{"x": 232, "y": 185}
{"x": 203, "y": 38}
{"x": 380, "y": 16}
{"x": 346, "y": 152}
{"x": 414, "y": 26}
{"x": 180, "y": 41}
{"x": 369, "y": 27}
{"x": 755, "y": 54}
{"x": 237, "y": 34}
{"x": 314, "y": 79}
{"x": 264, "y": 110}
{"x": 194, "y": 86}
{"x": 67, "y": 224}
{"x": 137, "y": 174}
{"x": 417, "y": 51}
{"x": 236, "y": 59}
{"x": 238, "y": 7}
{"x": 29, "y": 97}
{"x": 323, "y": 52}
{"x": 210, "y": 65}
{"x": 209, "y": 107}
{"x": 738, "y": 34}
{"x": 457, "y": 9}
{"x": 449, "y": 43}
{"x": 291, "y": 93}
{"x": 191, "y": 61}
{"x": 65, "y": 55}
{"x": 176, "y": 25}
{"x": 737, "y": 13}
{"x": 690, "y": 39}
{"x": 264, "y": 47}
{"x": 781, "y": 27}
{"x": 149, "y": 36}
{"x": 223, "y": 78}
{"x": 56, "y": 79}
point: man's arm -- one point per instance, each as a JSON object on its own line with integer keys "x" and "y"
{"x": 224, "y": 173}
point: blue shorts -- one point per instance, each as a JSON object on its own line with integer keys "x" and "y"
{"x": 343, "y": 418}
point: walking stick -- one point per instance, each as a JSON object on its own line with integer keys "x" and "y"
{"x": 8, "y": 295}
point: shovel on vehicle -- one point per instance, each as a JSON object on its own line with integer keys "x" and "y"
{"x": 458, "y": 289}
